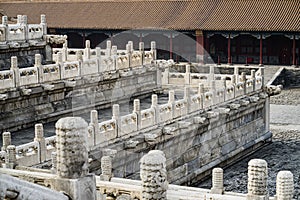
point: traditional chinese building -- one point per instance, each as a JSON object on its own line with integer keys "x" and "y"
{"x": 231, "y": 31}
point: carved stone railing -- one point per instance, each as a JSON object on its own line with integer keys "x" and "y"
{"x": 22, "y": 34}
{"x": 68, "y": 67}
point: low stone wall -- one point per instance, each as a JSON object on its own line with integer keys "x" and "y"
{"x": 44, "y": 103}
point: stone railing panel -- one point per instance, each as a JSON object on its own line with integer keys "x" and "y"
{"x": 147, "y": 117}
{"x": 50, "y": 143}
{"x": 148, "y": 57}
{"x": 107, "y": 131}
{"x": 177, "y": 78}
{"x": 180, "y": 108}
{"x": 219, "y": 96}
{"x": 28, "y": 154}
{"x": 122, "y": 62}
{"x": 7, "y": 79}
{"x": 70, "y": 70}
{"x": 249, "y": 86}
{"x": 208, "y": 99}
{"x": 196, "y": 102}
{"x": 16, "y": 33}
{"x": 49, "y": 73}
{"x": 165, "y": 112}
{"x": 35, "y": 31}
{"x": 239, "y": 89}
{"x": 258, "y": 82}
{"x": 136, "y": 59}
{"x": 229, "y": 92}
{"x": 28, "y": 76}
{"x": 128, "y": 124}
{"x": 89, "y": 67}
{"x": 107, "y": 64}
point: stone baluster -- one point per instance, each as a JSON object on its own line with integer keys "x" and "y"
{"x": 284, "y": 185}
{"x": 114, "y": 52}
{"x": 142, "y": 51}
{"x": 24, "y": 19}
{"x": 44, "y": 24}
{"x": 59, "y": 62}
{"x": 130, "y": 46}
{"x": 106, "y": 168}
{"x": 257, "y": 180}
{"x": 236, "y": 73}
{"x": 87, "y": 50}
{"x": 4, "y": 20}
{"x": 224, "y": 86}
{"x": 79, "y": 56}
{"x": 116, "y": 116}
{"x": 14, "y": 67}
{"x": 64, "y": 52}
{"x": 19, "y": 19}
{"x": 201, "y": 94}
{"x": 98, "y": 56}
{"x": 154, "y": 105}
{"x": 108, "y": 48}
{"x": 165, "y": 76}
{"x": 54, "y": 162}
{"x": 187, "y": 77}
{"x": 253, "y": 78}
{"x": 10, "y": 157}
{"x": 38, "y": 65}
{"x": 211, "y": 75}
{"x": 187, "y": 98}
{"x": 262, "y": 75}
{"x": 153, "y": 167}
{"x": 244, "y": 81}
{"x": 137, "y": 111}
{"x": 95, "y": 124}
{"x": 72, "y": 159}
{"x": 217, "y": 181}
{"x": 213, "y": 89}
{"x": 128, "y": 53}
{"x": 153, "y": 49}
{"x": 172, "y": 101}
{"x": 72, "y": 155}
{"x": 6, "y": 139}
{"x": 39, "y": 137}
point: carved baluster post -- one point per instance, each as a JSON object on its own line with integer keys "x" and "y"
{"x": 64, "y": 52}
{"x": 116, "y": 116}
{"x": 39, "y": 137}
{"x": 44, "y": 24}
{"x": 244, "y": 81}
{"x": 284, "y": 185}
{"x": 108, "y": 48}
{"x": 142, "y": 51}
{"x": 6, "y": 139}
{"x": 217, "y": 181}
{"x": 106, "y": 168}
{"x": 59, "y": 61}
{"x": 54, "y": 162}
{"x": 98, "y": 56}
{"x": 187, "y": 76}
{"x": 187, "y": 97}
{"x": 236, "y": 73}
{"x": 201, "y": 94}
{"x": 38, "y": 65}
{"x": 253, "y": 78}
{"x": 137, "y": 111}
{"x": 153, "y": 49}
{"x": 4, "y": 24}
{"x": 257, "y": 180}
{"x": 87, "y": 50}
{"x": 95, "y": 124}
{"x": 154, "y": 176}
{"x": 233, "y": 82}
{"x": 14, "y": 67}
{"x": 172, "y": 101}
{"x": 10, "y": 158}
{"x": 114, "y": 52}
{"x": 154, "y": 105}
{"x": 211, "y": 75}
{"x": 128, "y": 53}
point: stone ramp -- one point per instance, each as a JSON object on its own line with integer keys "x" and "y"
{"x": 270, "y": 71}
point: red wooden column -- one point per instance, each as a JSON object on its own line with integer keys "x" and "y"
{"x": 199, "y": 47}
{"x": 229, "y": 50}
{"x": 260, "y": 50}
{"x": 171, "y": 46}
{"x": 294, "y": 51}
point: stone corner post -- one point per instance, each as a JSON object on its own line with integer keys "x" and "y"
{"x": 284, "y": 185}
{"x": 217, "y": 181}
{"x": 153, "y": 167}
{"x": 39, "y": 137}
{"x": 257, "y": 180}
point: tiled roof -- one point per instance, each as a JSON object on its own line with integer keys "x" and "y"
{"x": 242, "y": 15}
